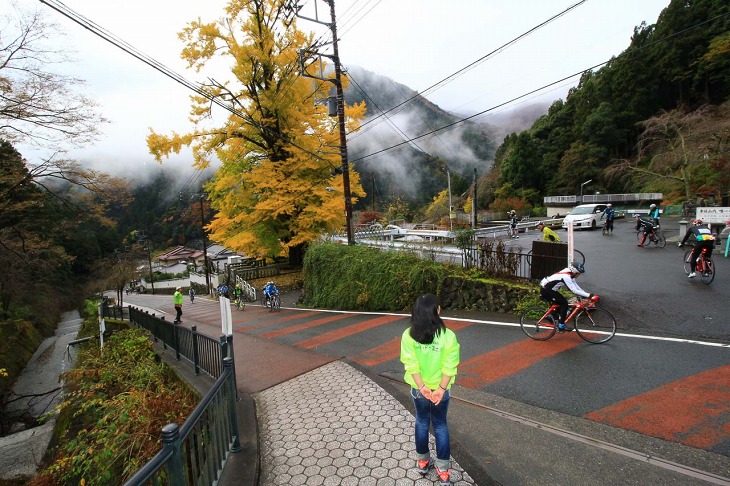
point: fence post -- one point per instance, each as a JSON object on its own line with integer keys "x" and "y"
{"x": 196, "y": 356}
{"x": 171, "y": 438}
{"x": 231, "y": 354}
{"x": 236, "y": 445}
{"x": 224, "y": 350}
{"x": 176, "y": 339}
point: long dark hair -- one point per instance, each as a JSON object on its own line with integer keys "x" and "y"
{"x": 425, "y": 320}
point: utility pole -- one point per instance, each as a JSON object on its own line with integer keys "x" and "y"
{"x": 373, "y": 192}
{"x": 474, "y": 203}
{"x": 205, "y": 246}
{"x": 337, "y": 81}
{"x": 451, "y": 208}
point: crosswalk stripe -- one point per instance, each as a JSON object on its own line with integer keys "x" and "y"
{"x": 691, "y": 410}
{"x": 511, "y": 359}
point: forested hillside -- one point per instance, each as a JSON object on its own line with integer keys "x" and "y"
{"x": 414, "y": 170}
{"x": 652, "y": 119}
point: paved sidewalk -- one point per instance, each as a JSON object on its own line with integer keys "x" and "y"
{"x": 335, "y": 426}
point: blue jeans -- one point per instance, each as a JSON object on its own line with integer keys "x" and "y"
{"x": 426, "y": 414}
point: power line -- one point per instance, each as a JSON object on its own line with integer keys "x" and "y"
{"x": 473, "y": 64}
{"x": 623, "y": 55}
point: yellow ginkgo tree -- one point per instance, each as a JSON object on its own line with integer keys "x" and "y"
{"x": 278, "y": 147}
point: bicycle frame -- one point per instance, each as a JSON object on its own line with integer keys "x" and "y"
{"x": 575, "y": 309}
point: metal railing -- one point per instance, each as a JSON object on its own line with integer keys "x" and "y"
{"x": 115, "y": 312}
{"x": 195, "y": 453}
{"x": 204, "y": 352}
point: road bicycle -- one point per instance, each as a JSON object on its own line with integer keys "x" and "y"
{"x": 593, "y": 324}
{"x": 705, "y": 267}
{"x": 656, "y": 237}
{"x": 273, "y": 302}
{"x": 578, "y": 255}
{"x": 239, "y": 302}
{"x": 604, "y": 230}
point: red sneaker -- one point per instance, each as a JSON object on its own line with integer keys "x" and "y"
{"x": 443, "y": 476}
{"x": 424, "y": 466}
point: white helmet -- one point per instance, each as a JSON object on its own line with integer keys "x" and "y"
{"x": 652, "y": 206}
{"x": 608, "y": 205}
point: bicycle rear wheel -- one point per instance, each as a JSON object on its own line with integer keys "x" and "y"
{"x": 661, "y": 241}
{"x": 595, "y": 325}
{"x": 275, "y": 303}
{"x": 537, "y": 328}
{"x": 687, "y": 266}
{"x": 579, "y": 257}
{"x": 708, "y": 272}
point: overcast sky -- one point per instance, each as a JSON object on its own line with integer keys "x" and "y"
{"x": 414, "y": 42}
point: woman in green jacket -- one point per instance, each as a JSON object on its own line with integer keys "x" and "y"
{"x": 430, "y": 355}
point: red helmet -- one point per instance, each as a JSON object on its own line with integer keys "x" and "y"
{"x": 696, "y": 222}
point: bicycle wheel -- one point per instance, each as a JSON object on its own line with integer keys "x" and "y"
{"x": 687, "y": 266}
{"x": 708, "y": 274}
{"x": 639, "y": 235}
{"x": 595, "y": 325}
{"x": 275, "y": 304}
{"x": 534, "y": 326}
{"x": 264, "y": 301}
{"x": 529, "y": 257}
{"x": 241, "y": 304}
{"x": 604, "y": 230}
{"x": 661, "y": 241}
{"x": 579, "y": 257}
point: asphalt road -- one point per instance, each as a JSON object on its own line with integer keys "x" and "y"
{"x": 661, "y": 386}
{"x": 646, "y": 289}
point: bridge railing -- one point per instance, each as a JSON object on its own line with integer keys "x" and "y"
{"x": 195, "y": 453}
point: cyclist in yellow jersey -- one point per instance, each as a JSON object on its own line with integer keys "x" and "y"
{"x": 547, "y": 233}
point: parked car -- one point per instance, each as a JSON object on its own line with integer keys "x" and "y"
{"x": 584, "y": 216}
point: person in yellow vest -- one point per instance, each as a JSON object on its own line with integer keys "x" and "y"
{"x": 177, "y": 299}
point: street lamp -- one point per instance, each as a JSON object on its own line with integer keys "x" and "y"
{"x": 581, "y": 189}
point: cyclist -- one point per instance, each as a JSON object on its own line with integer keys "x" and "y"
{"x": 549, "y": 287}
{"x": 547, "y": 233}
{"x": 237, "y": 293}
{"x": 647, "y": 225}
{"x": 704, "y": 239}
{"x": 654, "y": 214}
{"x": 610, "y": 214}
{"x": 514, "y": 232}
{"x": 270, "y": 289}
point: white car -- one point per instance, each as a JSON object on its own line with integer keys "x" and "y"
{"x": 584, "y": 216}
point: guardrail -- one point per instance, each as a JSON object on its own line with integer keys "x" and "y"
{"x": 195, "y": 453}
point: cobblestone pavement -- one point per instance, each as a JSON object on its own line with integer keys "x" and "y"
{"x": 335, "y": 426}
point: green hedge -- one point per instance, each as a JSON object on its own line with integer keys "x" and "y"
{"x": 359, "y": 278}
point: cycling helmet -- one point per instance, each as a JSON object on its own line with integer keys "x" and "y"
{"x": 540, "y": 223}
{"x": 577, "y": 267}
{"x": 696, "y": 222}
{"x": 608, "y": 205}
{"x": 652, "y": 206}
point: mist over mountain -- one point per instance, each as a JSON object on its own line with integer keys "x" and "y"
{"x": 402, "y": 149}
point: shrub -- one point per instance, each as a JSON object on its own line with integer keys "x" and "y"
{"x": 117, "y": 403}
{"x": 360, "y": 278}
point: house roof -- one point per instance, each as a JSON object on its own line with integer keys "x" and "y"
{"x": 180, "y": 253}
{"x": 218, "y": 252}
